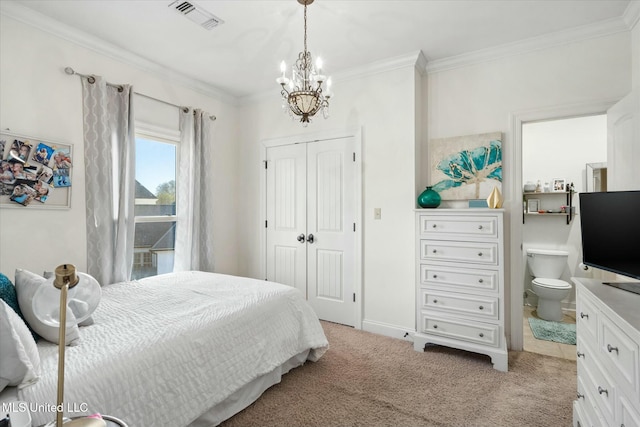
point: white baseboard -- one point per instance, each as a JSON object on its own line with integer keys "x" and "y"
{"x": 385, "y": 329}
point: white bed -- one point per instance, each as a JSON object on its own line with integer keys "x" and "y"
{"x": 181, "y": 349}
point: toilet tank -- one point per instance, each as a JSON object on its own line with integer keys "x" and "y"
{"x": 546, "y": 263}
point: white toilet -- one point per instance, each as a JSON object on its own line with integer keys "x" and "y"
{"x": 546, "y": 266}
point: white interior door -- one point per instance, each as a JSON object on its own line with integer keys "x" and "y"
{"x": 330, "y": 219}
{"x": 325, "y": 198}
{"x": 286, "y": 215}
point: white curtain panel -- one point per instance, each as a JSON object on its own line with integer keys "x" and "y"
{"x": 194, "y": 197}
{"x": 109, "y": 151}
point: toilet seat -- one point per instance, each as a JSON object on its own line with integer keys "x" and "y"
{"x": 552, "y": 283}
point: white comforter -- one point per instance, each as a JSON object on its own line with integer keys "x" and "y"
{"x": 165, "y": 349}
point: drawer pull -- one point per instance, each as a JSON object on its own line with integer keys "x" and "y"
{"x": 435, "y": 276}
{"x": 434, "y": 226}
{"x": 434, "y": 251}
{"x": 580, "y": 396}
{"x": 479, "y": 227}
{"x": 610, "y": 348}
{"x": 582, "y": 315}
{"x": 479, "y": 253}
{"x": 435, "y": 326}
{"x": 435, "y": 301}
{"x": 603, "y": 391}
{"x": 480, "y": 281}
{"x": 481, "y": 307}
{"x": 481, "y": 335}
{"x": 580, "y": 354}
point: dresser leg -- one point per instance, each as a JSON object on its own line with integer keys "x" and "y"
{"x": 500, "y": 362}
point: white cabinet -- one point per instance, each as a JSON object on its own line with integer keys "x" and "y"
{"x": 460, "y": 281}
{"x": 608, "y": 349}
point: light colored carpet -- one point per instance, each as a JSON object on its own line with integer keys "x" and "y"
{"x": 371, "y": 380}
{"x": 547, "y": 330}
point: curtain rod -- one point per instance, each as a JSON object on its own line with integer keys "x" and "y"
{"x": 92, "y": 79}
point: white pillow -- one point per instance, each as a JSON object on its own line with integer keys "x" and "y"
{"x": 27, "y": 283}
{"x": 19, "y": 358}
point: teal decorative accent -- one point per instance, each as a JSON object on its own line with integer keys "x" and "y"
{"x": 564, "y": 333}
{"x": 471, "y": 167}
{"x": 8, "y": 294}
{"x": 429, "y": 198}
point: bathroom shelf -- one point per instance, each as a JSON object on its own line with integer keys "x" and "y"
{"x": 569, "y": 204}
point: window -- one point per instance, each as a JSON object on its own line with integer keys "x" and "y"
{"x": 155, "y": 205}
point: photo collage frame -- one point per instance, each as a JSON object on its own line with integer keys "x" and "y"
{"x": 34, "y": 172}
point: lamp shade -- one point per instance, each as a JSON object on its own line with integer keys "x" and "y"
{"x": 82, "y": 300}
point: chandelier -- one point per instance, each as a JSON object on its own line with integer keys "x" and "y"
{"x": 302, "y": 94}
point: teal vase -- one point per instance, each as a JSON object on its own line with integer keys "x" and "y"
{"x": 429, "y": 198}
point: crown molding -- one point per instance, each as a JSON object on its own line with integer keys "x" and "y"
{"x": 546, "y": 41}
{"x": 37, "y": 20}
{"x": 415, "y": 59}
{"x": 632, "y": 14}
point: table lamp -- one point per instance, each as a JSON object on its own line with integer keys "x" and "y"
{"x": 78, "y": 294}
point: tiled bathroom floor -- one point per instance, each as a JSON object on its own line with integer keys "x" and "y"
{"x": 549, "y": 348}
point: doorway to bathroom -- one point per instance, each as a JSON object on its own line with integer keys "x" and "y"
{"x": 555, "y": 155}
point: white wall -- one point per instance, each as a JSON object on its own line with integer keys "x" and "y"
{"x": 39, "y": 99}
{"x": 559, "y": 149}
{"x": 484, "y": 98}
{"x": 383, "y": 106}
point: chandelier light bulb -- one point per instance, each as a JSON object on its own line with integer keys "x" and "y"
{"x": 283, "y": 68}
{"x": 319, "y": 65}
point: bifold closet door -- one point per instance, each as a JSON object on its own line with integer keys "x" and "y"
{"x": 310, "y": 224}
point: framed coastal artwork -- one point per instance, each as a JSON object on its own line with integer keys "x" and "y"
{"x": 34, "y": 172}
{"x": 466, "y": 167}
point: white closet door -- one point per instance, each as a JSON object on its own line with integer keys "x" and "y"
{"x": 310, "y": 218}
{"x": 286, "y": 215}
{"x": 330, "y": 219}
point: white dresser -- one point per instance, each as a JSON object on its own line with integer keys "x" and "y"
{"x": 460, "y": 281}
{"x": 608, "y": 349}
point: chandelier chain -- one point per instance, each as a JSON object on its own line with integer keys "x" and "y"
{"x": 305, "y": 28}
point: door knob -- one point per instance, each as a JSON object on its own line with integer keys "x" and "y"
{"x": 300, "y": 238}
{"x": 310, "y": 238}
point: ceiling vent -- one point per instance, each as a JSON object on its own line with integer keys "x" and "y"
{"x": 196, "y": 14}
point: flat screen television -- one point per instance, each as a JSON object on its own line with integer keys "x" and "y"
{"x": 610, "y": 227}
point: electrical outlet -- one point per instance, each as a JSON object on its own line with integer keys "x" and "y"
{"x": 377, "y": 213}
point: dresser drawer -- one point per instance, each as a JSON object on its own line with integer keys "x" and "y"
{"x": 461, "y": 304}
{"x": 460, "y": 278}
{"x": 476, "y": 253}
{"x": 457, "y": 227}
{"x": 628, "y": 416}
{"x": 587, "y": 320}
{"x": 600, "y": 388}
{"x": 582, "y": 407}
{"x": 461, "y": 330}
{"x": 620, "y": 353}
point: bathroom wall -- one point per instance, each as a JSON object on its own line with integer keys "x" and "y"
{"x": 559, "y": 149}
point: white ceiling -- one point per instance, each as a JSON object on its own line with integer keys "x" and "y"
{"x": 242, "y": 56}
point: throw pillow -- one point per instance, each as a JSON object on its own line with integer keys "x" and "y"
{"x": 18, "y": 351}
{"x": 27, "y": 283}
{"x": 8, "y": 294}
{"x": 86, "y": 322}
